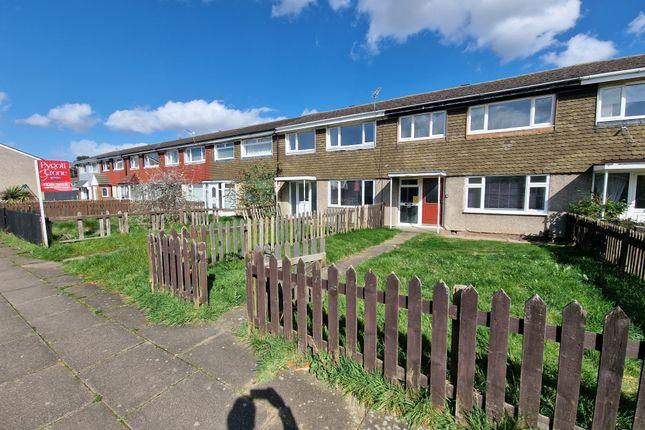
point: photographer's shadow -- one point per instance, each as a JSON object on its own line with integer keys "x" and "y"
{"x": 242, "y": 415}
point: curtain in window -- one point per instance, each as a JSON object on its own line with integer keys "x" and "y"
{"x": 617, "y": 184}
{"x": 504, "y": 192}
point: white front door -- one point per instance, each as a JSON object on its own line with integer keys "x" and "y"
{"x": 636, "y": 197}
{"x": 221, "y": 195}
{"x": 300, "y": 196}
{"x": 409, "y": 201}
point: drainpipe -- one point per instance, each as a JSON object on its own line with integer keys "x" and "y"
{"x": 391, "y": 185}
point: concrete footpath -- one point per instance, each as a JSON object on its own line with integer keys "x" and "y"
{"x": 74, "y": 356}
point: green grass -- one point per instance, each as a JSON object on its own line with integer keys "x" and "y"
{"x": 120, "y": 263}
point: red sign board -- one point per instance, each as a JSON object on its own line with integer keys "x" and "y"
{"x": 54, "y": 176}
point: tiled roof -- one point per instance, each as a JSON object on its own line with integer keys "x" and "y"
{"x": 571, "y": 75}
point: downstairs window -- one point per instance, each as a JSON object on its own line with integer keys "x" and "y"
{"x": 507, "y": 194}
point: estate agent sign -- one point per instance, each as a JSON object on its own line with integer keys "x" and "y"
{"x": 54, "y": 176}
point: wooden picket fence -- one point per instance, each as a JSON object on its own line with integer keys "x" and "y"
{"x": 276, "y": 298}
{"x": 618, "y": 245}
{"x": 179, "y": 264}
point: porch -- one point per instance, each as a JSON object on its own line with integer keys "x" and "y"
{"x": 417, "y": 199}
{"x": 622, "y": 181}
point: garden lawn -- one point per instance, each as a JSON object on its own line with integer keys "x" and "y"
{"x": 120, "y": 263}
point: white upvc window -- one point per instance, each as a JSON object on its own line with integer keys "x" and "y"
{"x": 517, "y": 114}
{"x": 134, "y": 162}
{"x": 422, "y": 126}
{"x": 259, "y": 147}
{"x": 621, "y": 102}
{"x": 172, "y": 158}
{"x": 351, "y": 193}
{"x": 93, "y": 168}
{"x": 195, "y": 192}
{"x": 194, "y": 155}
{"x": 151, "y": 160}
{"x": 303, "y": 142}
{"x": 118, "y": 164}
{"x": 224, "y": 151}
{"x": 105, "y": 192}
{"x": 510, "y": 195}
{"x": 354, "y": 136}
{"x": 105, "y": 166}
{"x": 81, "y": 169}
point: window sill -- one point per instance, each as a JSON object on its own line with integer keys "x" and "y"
{"x": 619, "y": 122}
{"x": 151, "y": 167}
{"x": 307, "y": 151}
{"x": 192, "y": 162}
{"x": 423, "y": 139}
{"x": 217, "y": 160}
{"x": 350, "y": 148}
{"x": 471, "y": 135}
{"x": 244, "y": 157}
{"x": 505, "y": 212}
{"x": 171, "y": 165}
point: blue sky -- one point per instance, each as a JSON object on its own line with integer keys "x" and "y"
{"x": 78, "y": 76}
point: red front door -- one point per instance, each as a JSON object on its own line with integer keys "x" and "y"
{"x": 431, "y": 207}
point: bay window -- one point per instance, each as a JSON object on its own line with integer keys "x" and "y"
{"x": 422, "y": 126}
{"x": 172, "y": 158}
{"x": 353, "y": 136}
{"x": 151, "y": 160}
{"x": 224, "y": 151}
{"x": 194, "y": 155}
{"x": 519, "y": 114}
{"x": 621, "y": 102}
{"x": 134, "y": 162}
{"x": 302, "y": 142}
{"x": 351, "y": 193}
{"x": 507, "y": 194}
{"x": 259, "y": 147}
{"x": 118, "y": 164}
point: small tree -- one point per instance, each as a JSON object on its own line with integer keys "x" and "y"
{"x": 161, "y": 193}
{"x": 16, "y": 194}
{"x": 257, "y": 186}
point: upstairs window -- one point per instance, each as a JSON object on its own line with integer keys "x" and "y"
{"x": 172, "y": 158}
{"x": 93, "y": 168}
{"x": 259, "y": 147}
{"x": 151, "y": 160}
{"x": 303, "y": 142}
{"x": 422, "y": 126}
{"x": 354, "y": 136}
{"x": 507, "y": 194}
{"x": 81, "y": 169}
{"x": 351, "y": 193}
{"x": 106, "y": 166}
{"x": 194, "y": 155}
{"x": 622, "y": 102}
{"x": 224, "y": 151}
{"x": 134, "y": 162}
{"x": 521, "y": 114}
{"x": 118, "y": 164}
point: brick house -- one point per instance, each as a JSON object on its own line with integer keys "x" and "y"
{"x": 504, "y": 156}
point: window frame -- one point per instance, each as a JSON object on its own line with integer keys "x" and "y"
{"x": 188, "y": 155}
{"x": 147, "y": 165}
{"x": 527, "y": 189}
{"x": 431, "y": 135}
{"x": 299, "y": 151}
{"x": 340, "y": 146}
{"x": 215, "y": 151}
{"x": 623, "y": 103}
{"x": 531, "y": 126}
{"x": 339, "y": 204}
{"x": 116, "y": 164}
{"x": 134, "y": 167}
{"x": 167, "y": 161}
{"x": 256, "y": 141}
{"x": 105, "y": 166}
{"x": 105, "y": 192}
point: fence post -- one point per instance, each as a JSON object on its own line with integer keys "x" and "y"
{"x": 80, "y": 226}
{"x": 126, "y": 223}
{"x": 369, "y": 348}
{"x": 413, "y": 352}
{"x": 466, "y": 351}
{"x": 497, "y": 355}
{"x": 101, "y": 226}
{"x": 108, "y": 224}
{"x": 332, "y": 325}
{"x": 301, "y": 302}
{"x": 532, "y": 360}
{"x": 250, "y": 291}
{"x": 390, "y": 361}
{"x": 439, "y": 344}
{"x": 287, "y": 300}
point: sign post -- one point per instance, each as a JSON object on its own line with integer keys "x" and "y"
{"x": 51, "y": 176}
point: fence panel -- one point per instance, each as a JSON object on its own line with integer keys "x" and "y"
{"x": 25, "y": 225}
{"x": 613, "y": 344}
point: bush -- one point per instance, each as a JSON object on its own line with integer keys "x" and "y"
{"x": 593, "y": 208}
{"x": 16, "y": 194}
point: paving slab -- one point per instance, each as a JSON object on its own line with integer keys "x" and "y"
{"x": 128, "y": 316}
{"x": 64, "y": 281}
{"x": 377, "y": 421}
{"x": 94, "y": 416}
{"x": 39, "y": 291}
{"x": 14, "y": 327}
{"x": 312, "y": 405}
{"x": 21, "y": 280}
{"x": 6, "y": 310}
{"x": 177, "y": 339}
{"x": 21, "y": 259}
{"x": 64, "y": 324}
{"x": 45, "y": 269}
{"x": 83, "y": 290}
{"x": 55, "y": 304}
{"x": 226, "y": 358}
{"x": 41, "y": 397}
{"x": 103, "y": 300}
{"x": 23, "y": 356}
{"x": 135, "y": 376}
{"x": 198, "y": 402}
{"x": 94, "y": 344}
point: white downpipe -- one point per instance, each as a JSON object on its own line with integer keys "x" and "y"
{"x": 391, "y": 185}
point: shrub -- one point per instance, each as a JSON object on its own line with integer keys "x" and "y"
{"x": 593, "y": 208}
{"x": 16, "y": 194}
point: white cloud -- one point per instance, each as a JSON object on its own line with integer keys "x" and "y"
{"x": 512, "y": 29}
{"x": 290, "y": 7}
{"x": 339, "y": 4}
{"x": 308, "y": 111}
{"x": 581, "y": 48}
{"x": 637, "y": 26}
{"x": 74, "y": 116}
{"x": 197, "y": 115}
{"x": 4, "y": 102}
{"x": 90, "y": 147}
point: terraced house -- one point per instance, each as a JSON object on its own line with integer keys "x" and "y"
{"x": 506, "y": 156}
